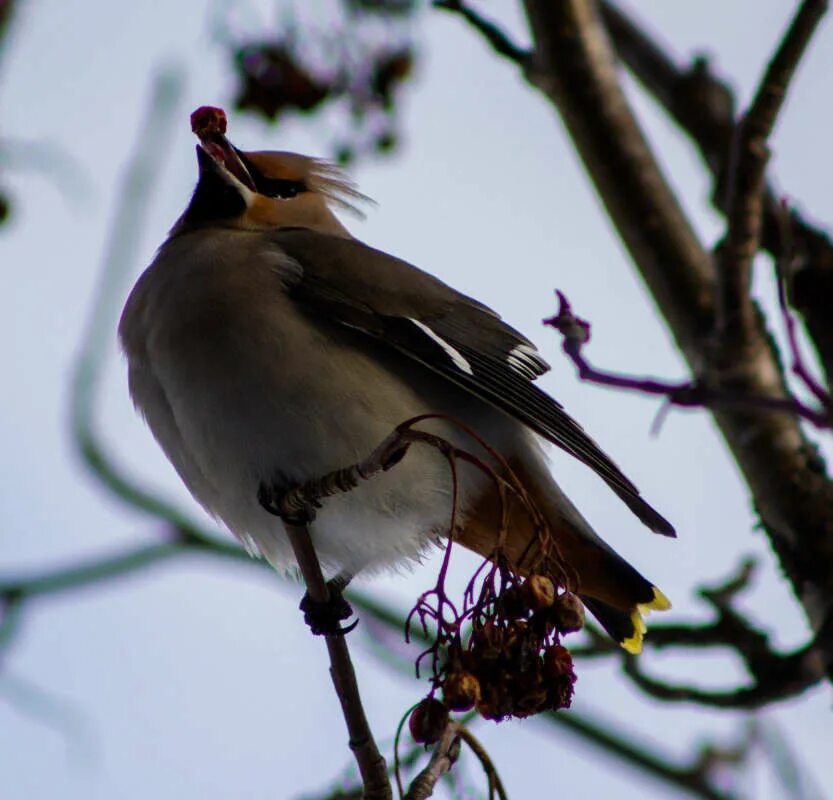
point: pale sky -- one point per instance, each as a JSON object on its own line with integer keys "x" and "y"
{"x": 198, "y": 679}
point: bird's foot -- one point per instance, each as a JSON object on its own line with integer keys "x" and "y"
{"x": 324, "y": 619}
{"x": 272, "y": 499}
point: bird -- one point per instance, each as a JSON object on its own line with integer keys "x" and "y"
{"x": 267, "y": 346}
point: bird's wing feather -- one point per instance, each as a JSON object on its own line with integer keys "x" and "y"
{"x": 347, "y": 282}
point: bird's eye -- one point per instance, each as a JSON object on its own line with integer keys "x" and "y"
{"x": 279, "y": 187}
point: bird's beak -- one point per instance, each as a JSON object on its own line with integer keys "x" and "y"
{"x": 215, "y": 150}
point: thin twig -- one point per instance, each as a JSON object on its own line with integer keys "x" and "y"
{"x": 497, "y": 38}
{"x": 735, "y": 317}
{"x": 783, "y": 268}
{"x": 496, "y": 787}
{"x": 575, "y": 334}
{"x": 442, "y": 760}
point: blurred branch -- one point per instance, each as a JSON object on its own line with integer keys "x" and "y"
{"x": 67, "y": 173}
{"x": 134, "y": 202}
{"x": 55, "y": 712}
{"x": 500, "y": 43}
{"x": 776, "y": 676}
{"x": 699, "y": 778}
{"x": 7, "y": 10}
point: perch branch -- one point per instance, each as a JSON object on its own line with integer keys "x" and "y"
{"x": 370, "y": 761}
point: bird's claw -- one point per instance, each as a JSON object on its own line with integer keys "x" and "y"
{"x": 323, "y": 618}
{"x": 272, "y": 500}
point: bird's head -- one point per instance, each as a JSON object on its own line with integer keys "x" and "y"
{"x": 262, "y": 190}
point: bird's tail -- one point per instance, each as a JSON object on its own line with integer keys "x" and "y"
{"x": 625, "y": 627}
{"x": 611, "y": 589}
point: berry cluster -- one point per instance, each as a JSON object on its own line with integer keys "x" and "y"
{"x": 512, "y": 663}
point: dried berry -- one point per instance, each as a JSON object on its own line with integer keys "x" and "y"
{"x": 428, "y": 721}
{"x": 207, "y": 120}
{"x": 487, "y": 641}
{"x": 512, "y": 602}
{"x": 539, "y": 592}
{"x": 560, "y": 692}
{"x": 514, "y": 634}
{"x": 495, "y": 702}
{"x": 569, "y": 613}
{"x": 557, "y": 662}
{"x": 461, "y": 691}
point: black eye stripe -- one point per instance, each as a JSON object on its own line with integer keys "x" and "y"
{"x": 277, "y": 187}
{"x": 272, "y": 187}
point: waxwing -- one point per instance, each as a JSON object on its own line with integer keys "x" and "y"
{"x": 267, "y": 346}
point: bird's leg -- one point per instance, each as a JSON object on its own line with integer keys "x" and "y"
{"x": 324, "y": 618}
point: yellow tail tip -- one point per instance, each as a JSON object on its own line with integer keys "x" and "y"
{"x": 659, "y": 603}
{"x": 633, "y": 644}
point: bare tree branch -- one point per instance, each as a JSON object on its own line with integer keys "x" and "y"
{"x": 442, "y": 760}
{"x": 735, "y": 312}
{"x": 496, "y": 788}
{"x": 575, "y": 67}
{"x": 499, "y": 41}
{"x": 575, "y": 334}
{"x": 696, "y": 778}
{"x": 703, "y": 106}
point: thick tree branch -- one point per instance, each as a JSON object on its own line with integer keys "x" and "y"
{"x": 575, "y": 68}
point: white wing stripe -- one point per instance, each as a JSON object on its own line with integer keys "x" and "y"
{"x": 453, "y": 354}
{"x": 526, "y": 360}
